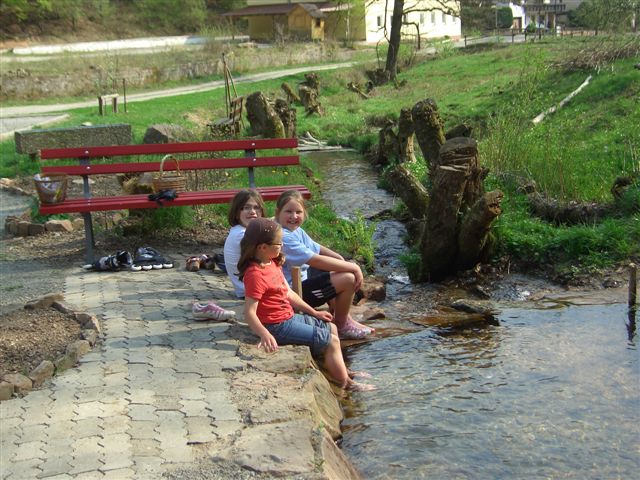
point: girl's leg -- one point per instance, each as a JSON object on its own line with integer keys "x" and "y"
{"x": 334, "y": 361}
{"x": 344, "y": 283}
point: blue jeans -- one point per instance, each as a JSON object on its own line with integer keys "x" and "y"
{"x": 302, "y": 330}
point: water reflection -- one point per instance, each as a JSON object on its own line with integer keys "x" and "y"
{"x": 548, "y": 394}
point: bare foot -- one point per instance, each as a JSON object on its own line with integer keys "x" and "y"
{"x": 360, "y": 387}
{"x": 359, "y": 374}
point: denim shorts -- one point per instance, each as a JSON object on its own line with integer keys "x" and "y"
{"x": 302, "y": 330}
{"x": 317, "y": 289}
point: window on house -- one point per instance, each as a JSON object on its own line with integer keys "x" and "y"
{"x": 405, "y": 18}
{"x": 433, "y": 18}
{"x": 318, "y": 23}
{"x": 421, "y": 18}
{"x": 379, "y": 20}
{"x": 444, "y": 18}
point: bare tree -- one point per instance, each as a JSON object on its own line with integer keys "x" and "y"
{"x": 401, "y": 10}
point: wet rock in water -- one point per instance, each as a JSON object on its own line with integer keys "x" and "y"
{"x": 471, "y": 306}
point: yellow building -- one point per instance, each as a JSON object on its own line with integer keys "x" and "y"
{"x": 357, "y": 20}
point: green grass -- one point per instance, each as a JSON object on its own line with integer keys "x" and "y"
{"x": 573, "y": 155}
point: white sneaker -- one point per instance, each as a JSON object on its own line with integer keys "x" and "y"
{"x": 211, "y": 311}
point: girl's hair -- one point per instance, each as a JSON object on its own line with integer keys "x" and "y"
{"x": 288, "y": 195}
{"x": 239, "y": 200}
{"x": 259, "y": 231}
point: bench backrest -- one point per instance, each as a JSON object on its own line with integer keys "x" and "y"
{"x": 249, "y": 150}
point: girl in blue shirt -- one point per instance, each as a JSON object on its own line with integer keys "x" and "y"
{"x": 326, "y": 276}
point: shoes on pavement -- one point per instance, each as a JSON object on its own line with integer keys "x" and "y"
{"x": 211, "y": 311}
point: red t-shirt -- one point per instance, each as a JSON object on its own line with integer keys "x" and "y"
{"x": 268, "y": 286}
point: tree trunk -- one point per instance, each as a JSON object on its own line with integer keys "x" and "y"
{"x": 429, "y": 130}
{"x": 262, "y": 117}
{"x": 391, "y": 66}
{"x": 439, "y": 243}
{"x": 474, "y": 241}
{"x": 405, "y": 136}
{"x": 410, "y": 190}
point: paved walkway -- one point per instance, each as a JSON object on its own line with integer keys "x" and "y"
{"x": 139, "y": 403}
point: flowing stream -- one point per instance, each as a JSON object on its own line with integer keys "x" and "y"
{"x": 553, "y": 391}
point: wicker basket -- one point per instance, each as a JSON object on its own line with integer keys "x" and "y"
{"x": 52, "y": 188}
{"x": 169, "y": 181}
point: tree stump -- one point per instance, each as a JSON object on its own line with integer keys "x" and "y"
{"x": 309, "y": 98}
{"x": 287, "y": 116}
{"x": 387, "y": 146}
{"x": 429, "y": 130}
{"x": 405, "y": 136}
{"x": 262, "y": 117}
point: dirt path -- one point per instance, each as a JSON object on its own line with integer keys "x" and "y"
{"x": 141, "y": 97}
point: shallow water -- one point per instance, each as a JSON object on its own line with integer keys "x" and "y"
{"x": 553, "y": 391}
{"x": 546, "y": 394}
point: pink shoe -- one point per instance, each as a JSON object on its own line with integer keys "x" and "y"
{"x": 211, "y": 311}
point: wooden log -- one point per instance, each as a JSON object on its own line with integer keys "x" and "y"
{"x": 474, "y": 241}
{"x": 567, "y": 213}
{"x": 405, "y": 136}
{"x": 356, "y": 88}
{"x": 262, "y": 117}
{"x": 429, "y": 130}
{"x": 312, "y": 80}
{"x": 410, "y": 190}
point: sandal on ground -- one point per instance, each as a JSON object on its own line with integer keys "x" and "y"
{"x": 200, "y": 261}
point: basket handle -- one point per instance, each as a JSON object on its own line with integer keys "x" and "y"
{"x": 169, "y": 157}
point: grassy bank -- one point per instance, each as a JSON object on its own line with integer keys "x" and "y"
{"x": 572, "y": 155}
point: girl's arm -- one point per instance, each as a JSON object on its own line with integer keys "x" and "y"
{"x": 330, "y": 253}
{"x": 250, "y": 315}
{"x": 331, "y": 264}
{"x": 299, "y": 305}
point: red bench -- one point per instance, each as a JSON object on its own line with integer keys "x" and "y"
{"x": 84, "y": 167}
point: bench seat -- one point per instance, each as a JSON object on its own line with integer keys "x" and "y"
{"x": 139, "y": 201}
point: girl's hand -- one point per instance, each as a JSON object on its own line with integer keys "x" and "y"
{"x": 268, "y": 343}
{"x": 323, "y": 315}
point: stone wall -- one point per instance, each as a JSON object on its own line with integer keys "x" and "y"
{"x": 30, "y": 141}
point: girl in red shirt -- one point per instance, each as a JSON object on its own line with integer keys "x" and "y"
{"x": 270, "y": 303}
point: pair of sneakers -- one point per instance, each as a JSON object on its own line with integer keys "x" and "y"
{"x": 148, "y": 258}
{"x": 211, "y": 311}
{"x": 206, "y": 262}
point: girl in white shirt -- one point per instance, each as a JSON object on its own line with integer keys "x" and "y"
{"x": 245, "y": 206}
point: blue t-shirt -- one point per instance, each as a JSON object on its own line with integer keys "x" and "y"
{"x": 298, "y": 248}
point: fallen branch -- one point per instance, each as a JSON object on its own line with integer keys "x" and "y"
{"x": 562, "y": 103}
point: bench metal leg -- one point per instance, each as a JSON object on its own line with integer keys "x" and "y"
{"x": 88, "y": 236}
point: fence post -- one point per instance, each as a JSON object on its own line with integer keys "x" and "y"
{"x": 465, "y": 41}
